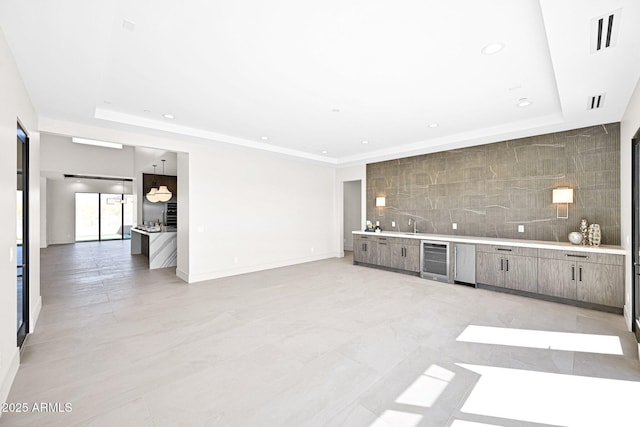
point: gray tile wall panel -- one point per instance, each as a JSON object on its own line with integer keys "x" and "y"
{"x": 489, "y": 190}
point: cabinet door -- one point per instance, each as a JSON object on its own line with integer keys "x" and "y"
{"x": 396, "y": 255}
{"x": 365, "y": 250}
{"x": 557, "y": 277}
{"x": 359, "y": 249}
{"x": 521, "y": 273}
{"x": 601, "y": 284}
{"x": 412, "y": 257}
{"x": 490, "y": 269}
{"x": 383, "y": 256}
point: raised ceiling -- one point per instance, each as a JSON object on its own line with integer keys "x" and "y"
{"x": 315, "y": 79}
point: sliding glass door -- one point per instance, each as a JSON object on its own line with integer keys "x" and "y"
{"x": 22, "y": 235}
{"x": 635, "y": 186}
{"x": 103, "y": 216}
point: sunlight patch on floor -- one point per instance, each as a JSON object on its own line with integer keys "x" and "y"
{"x": 547, "y": 398}
{"x": 568, "y": 341}
{"x": 426, "y": 389}
{"x": 463, "y": 423}
{"x": 391, "y": 418}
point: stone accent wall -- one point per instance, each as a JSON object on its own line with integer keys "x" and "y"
{"x": 488, "y": 190}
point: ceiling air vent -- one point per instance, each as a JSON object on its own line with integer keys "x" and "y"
{"x": 595, "y": 102}
{"x": 604, "y": 31}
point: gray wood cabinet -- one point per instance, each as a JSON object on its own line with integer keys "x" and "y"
{"x": 365, "y": 249}
{"x": 586, "y": 278}
{"x": 590, "y": 278}
{"x": 390, "y": 252}
{"x": 507, "y": 267}
{"x": 489, "y": 268}
{"x": 406, "y": 254}
{"x": 557, "y": 278}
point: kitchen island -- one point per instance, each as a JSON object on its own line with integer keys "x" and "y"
{"x": 159, "y": 247}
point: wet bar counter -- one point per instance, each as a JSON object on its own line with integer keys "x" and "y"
{"x": 160, "y": 248}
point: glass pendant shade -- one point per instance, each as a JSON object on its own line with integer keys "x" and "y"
{"x": 152, "y": 195}
{"x": 163, "y": 194}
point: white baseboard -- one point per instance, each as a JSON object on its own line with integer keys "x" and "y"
{"x": 194, "y": 278}
{"x": 35, "y": 315}
{"x": 627, "y": 316}
{"x": 182, "y": 275}
{"x": 7, "y": 381}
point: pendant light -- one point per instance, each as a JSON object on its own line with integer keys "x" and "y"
{"x": 163, "y": 193}
{"x": 151, "y": 195}
{"x": 118, "y": 200}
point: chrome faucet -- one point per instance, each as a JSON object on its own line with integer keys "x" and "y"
{"x": 415, "y": 225}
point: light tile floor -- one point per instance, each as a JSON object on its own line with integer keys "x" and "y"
{"x": 319, "y": 344}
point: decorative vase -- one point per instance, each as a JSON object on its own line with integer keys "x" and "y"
{"x": 594, "y": 235}
{"x": 575, "y": 237}
{"x": 584, "y": 229}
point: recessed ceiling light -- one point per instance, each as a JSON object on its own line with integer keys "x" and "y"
{"x": 433, "y": 125}
{"x": 492, "y": 48}
{"x": 365, "y": 142}
{"x": 168, "y": 116}
{"x": 524, "y": 102}
{"x": 264, "y": 138}
{"x": 324, "y": 151}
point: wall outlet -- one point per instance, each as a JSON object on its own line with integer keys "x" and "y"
{"x": 393, "y": 223}
{"x": 454, "y": 226}
{"x": 378, "y": 223}
{"x": 521, "y": 229}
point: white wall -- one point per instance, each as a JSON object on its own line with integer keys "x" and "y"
{"x": 352, "y": 202}
{"x": 15, "y": 105}
{"x": 250, "y": 211}
{"x": 628, "y": 127}
{"x": 61, "y": 156}
{"x": 61, "y": 204}
{"x": 346, "y": 174}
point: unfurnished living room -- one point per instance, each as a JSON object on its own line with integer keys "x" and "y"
{"x": 340, "y": 213}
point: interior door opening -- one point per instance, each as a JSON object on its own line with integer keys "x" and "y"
{"x": 352, "y": 211}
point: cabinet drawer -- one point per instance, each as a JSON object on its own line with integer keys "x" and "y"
{"x": 404, "y": 241}
{"x": 507, "y": 250}
{"x": 582, "y": 257}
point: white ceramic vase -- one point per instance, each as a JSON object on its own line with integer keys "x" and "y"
{"x": 594, "y": 235}
{"x": 575, "y": 237}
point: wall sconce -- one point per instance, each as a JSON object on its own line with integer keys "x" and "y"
{"x": 561, "y": 196}
{"x": 380, "y": 203}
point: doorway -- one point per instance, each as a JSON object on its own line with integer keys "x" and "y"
{"x": 22, "y": 234}
{"x": 635, "y": 229}
{"x": 352, "y": 211}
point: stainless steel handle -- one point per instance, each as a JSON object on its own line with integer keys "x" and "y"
{"x": 577, "y": 256}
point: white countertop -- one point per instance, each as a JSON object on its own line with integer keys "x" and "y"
{"x": 539, "y": 244}
{"x": 151, "y": 233}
